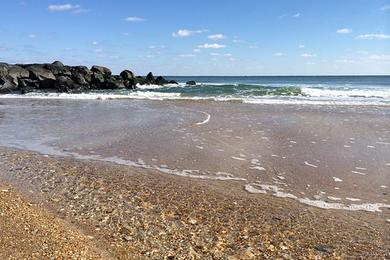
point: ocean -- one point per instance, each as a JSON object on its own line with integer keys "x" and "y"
{"x": 327, "y": 90}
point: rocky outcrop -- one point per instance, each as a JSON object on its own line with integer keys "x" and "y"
{"x": 57, "y": 77}
{"x": 191, "y": 83}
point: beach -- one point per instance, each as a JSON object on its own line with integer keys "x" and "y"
{"x": 203, "y": 179}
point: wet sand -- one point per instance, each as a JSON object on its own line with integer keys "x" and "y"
{"x": 176, "y": 179}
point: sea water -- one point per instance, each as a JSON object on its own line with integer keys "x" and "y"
{"x": 347, "y": 90}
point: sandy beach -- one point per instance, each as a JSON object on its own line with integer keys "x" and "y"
{"x": 204, "y": 179}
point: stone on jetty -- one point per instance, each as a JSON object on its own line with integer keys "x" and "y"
{"x": 57, "y": 77}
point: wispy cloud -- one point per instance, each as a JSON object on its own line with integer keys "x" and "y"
{"x": 134, "y": 19}
{"x": 63, "y": 7}
{"x": 385, "y": 8}
{"x": 373, "y": 36}
{"x": 211, "y": 46}
{"x": 380, "y": 57}
{"x": 32, "y": 36}
{"x": 186, "y": 33}
{"x": 301, "y": 46}
{"x": 348, "y": 61}
{"x": 216, "y": 36}
{"x": 187, "y": 55}
{"x": 344, "y": 30}
{"x": 279, "y": 54}
{"x": 297, "y": 15}
{"x": 308, "y": 55}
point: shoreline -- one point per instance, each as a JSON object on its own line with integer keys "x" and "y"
{"x": 164, "y": 200}
{"x": 172, "y": 97}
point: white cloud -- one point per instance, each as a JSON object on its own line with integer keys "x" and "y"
{"x": 345, "y": 61}
{"x": 380, "y": 57}
{"x": 32, "y": 36}
{"x": 344, "y": 31}
{"x": 301, "y": 46}
{"x": 188, "y": 55}
{"x": 94, "y": 43}
{"x": 216, "y": 37}
{"x": 310, "y": 63}
{"x": 385, "y": 8}
{"x": 279, "y": 54}
{"x": 215, "y": 54}
{"x": 99, "y": 51}
{"x": 152, "y": 47}
{"x": 297, "y": 15}
{"x": 63, "y": 7}
{"x": 134, "y": 19}
{"x": 186, "y": 33}
{"x": 308, "y": 55}
{"x": 228, "y": 55}
{"x": 211, "y": 46}
{"x": 196, "y": 50}
{"x": 253, "y": 47}
{"x": 374, "y": 36}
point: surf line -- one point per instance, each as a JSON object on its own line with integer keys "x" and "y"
{"x": 206, "y": 120}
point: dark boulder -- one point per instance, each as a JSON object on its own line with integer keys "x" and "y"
{"x": 79, "y": 79}
{"x": 130, "y": 84}
{"x": 150, "y": 78}
{"x": 64, "y": 84}
{"x": 114, "y": 82}
{"x": 79, "y": 72}
{"x": 160, "y": 81}
{"x": 58, "y": 70}
{"x": 45, "y": 77}
{"x": 3, "y": 69}
{"x": 97, "y": 80}
{"x": 127, "y": 75}
{"x": 16, "y": 72}
{"x": 191, "y": 83}
{"x": 173, "y": 82}
{"x": 102, "y": 70}
{"x": 140, "y": 80}
{"x": 58, "y": 64}
{"x": 6, "y": 85}
{"x": 27, "y": 85}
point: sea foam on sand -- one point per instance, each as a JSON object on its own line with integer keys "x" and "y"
{"x": 278, "y": 192}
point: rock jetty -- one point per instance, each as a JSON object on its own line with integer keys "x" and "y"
{"x": 57, "y": 77}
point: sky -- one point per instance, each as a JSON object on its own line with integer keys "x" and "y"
{"x": 202, "y": 37}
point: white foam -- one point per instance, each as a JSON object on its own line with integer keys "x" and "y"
{"x": 361, "y": 168}
{"x": 360, "y": 173}
{"x": 206, "y": 120}
{"x": 353, "y": 199}
{"x": 337, "y": 179}
{"x": 154, "y": 95}
{"x": 258, "y": 168}
{"x": 249, "y": 188}
{"x": 238, "y": 158}
{"x": 334, "y": 198}
{"x": 278, "y": 192}
{"x": 364, "y": 93}
{"x": 383, "y": 143}
{"x": 311, "y": 165}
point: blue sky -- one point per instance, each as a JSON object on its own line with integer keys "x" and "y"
{"x": 247, "y": 37}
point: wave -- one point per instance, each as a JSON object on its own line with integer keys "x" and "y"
{"x": 354, "y": 93}
{"x": 148, "y": 95}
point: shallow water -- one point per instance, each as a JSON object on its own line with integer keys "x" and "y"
{"x": 318, "y": 155}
